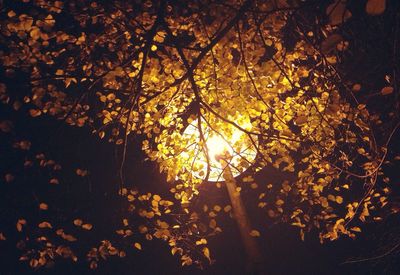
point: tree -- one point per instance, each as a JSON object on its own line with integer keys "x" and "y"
{"x": 272, "y": 70}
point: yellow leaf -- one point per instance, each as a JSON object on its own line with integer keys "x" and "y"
{"x": 156, "y": 197}
{"x": 59, "y": 72}
{"x": 217, "y": 208}
{"x": 186, "y": 260}
{"x": 81, "y": 172}
{"x": 159, "y": 37}
{"x": 361, "y": 151}
{"x": 339, "y": 199}
{"x": 87, "y": 226}
{"x": 54, "y": 181}
{"x": 33, "y": 263}
{"x": 174, "y": 250}
{"x": 93, "y": 265}
{"x": 67, "y": 237}
{"x": 387, "y": 90}
{"x": 11, "y": 13}
{"x": 162, "y": 225}
{"x": 356, "y": 229}
{"x": 20, "y": 223}
{"x": 35, "y": 113}
{"x": 44, "y": 225}
{"x": 202, "y": 241}
{"x": 138, "y": 246}
{"x": 111, "y": 96}
{"x": 78, "y": 222}
{"x": 356, "y": 87}
{"x": 43, "y": 206}
{"x": 35, "y": 33}
{"x": 103, "y": 98}
{"x": 206, "y": 253}
{"x": 255, "y": 233}
{"x": 300, "y": 120}
{"x": 227, "y": 208}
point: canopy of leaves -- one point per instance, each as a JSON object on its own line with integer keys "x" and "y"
{"x": 148, "y": 69}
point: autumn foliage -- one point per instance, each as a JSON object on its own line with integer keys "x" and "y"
{"x": 272, "y": 70}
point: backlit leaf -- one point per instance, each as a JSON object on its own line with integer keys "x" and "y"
{"x": 254, "y": 233}
{"x": 138, "y": 246}
{"x": 87, "y": 226}
{"x": 387, "y": 90}
{"x": 206, "y": 253}
{"x": 44, "y": 225}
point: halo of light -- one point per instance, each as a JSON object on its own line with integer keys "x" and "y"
{"x": 233, "y": 141}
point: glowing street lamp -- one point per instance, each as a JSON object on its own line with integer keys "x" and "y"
{"x": 232, "y": 141}
{"x": 229, "y": 154}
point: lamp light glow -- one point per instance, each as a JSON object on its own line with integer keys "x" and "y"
{"x": 231, "y": 141}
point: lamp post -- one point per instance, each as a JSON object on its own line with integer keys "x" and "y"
{"x": 221, "y": 156}
{"x": 253, "y": 252}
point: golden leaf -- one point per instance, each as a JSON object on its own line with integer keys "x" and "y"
{"x": 35, "y": 113}
{"x": 217, "y": 208}
{"x": 387, "y": 90}
{"x": 20, "y": 223}
{"x": 87, "y": 226}
{"x": 81, "y": 172}
{"x": 201, "y": 241}
{"x": 174, "y": 250}
{"x": 44, "y": 225}
{"x": 206, "y": 253}
{"x": 54, "y": 181}
{"x": 93, "y": 265}
{"x": 254, "y": 233}
{"x": 68, "y": 237}
{"x": 138, "y": 246}
{"x": 227, "y": 208}
{"x": 356, "y": 87}
{"x": 43, "y": 206}
{"x": 300, "y": 120}
{"x": 78, "y": 222}
{"x": 11, "y": 13}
